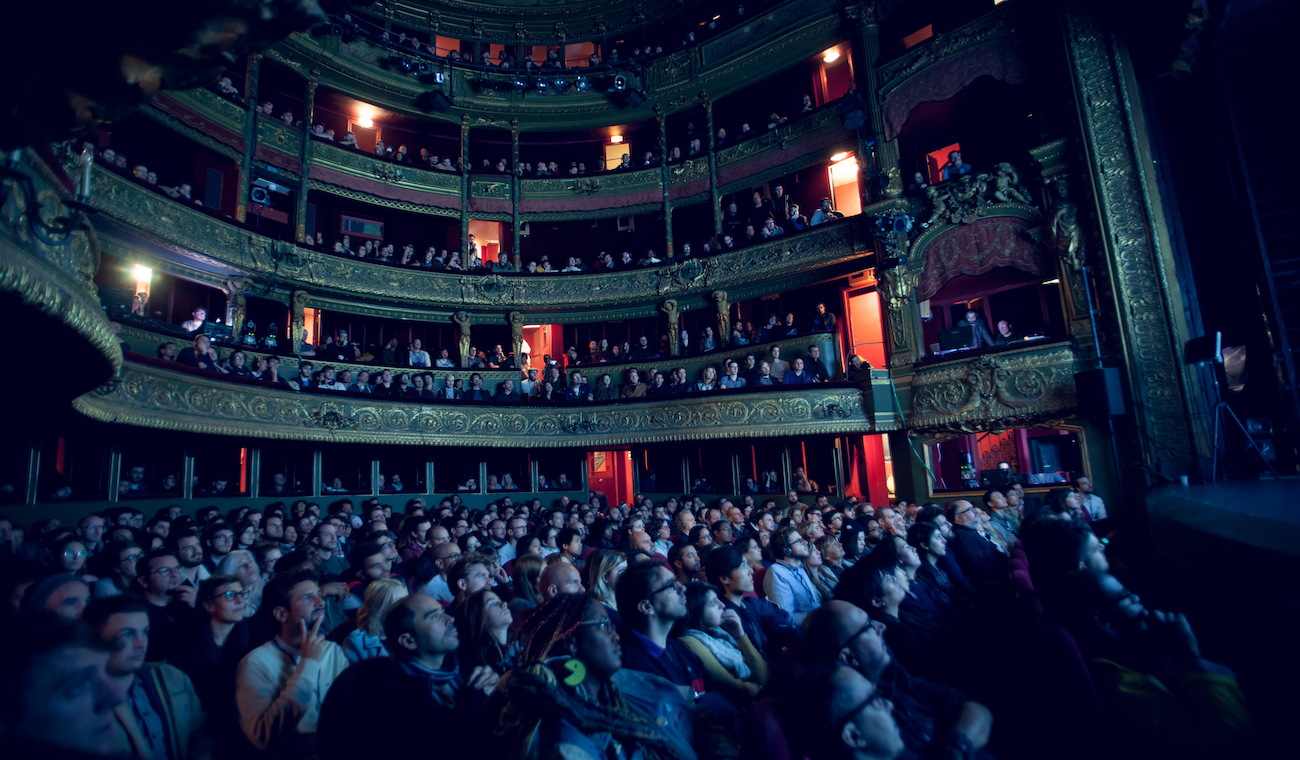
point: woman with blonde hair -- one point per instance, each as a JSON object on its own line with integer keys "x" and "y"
{"x": 604, "y": 567}
{"x": 367, "y": 639}
{"x": 243, "y": 565}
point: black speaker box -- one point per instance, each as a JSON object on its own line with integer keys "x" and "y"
{"x": 1099, "y": 391}
{"x": 633, "y": 98}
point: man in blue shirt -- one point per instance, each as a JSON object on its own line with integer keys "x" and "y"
{"x": 787, "y": 583}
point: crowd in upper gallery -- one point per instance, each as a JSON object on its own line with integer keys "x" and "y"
{"x": 759, "y": 628}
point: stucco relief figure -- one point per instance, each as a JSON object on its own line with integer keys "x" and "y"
{"x": 1067, "y": 238}
{"x": 1006, "y": 186}
{"x": 669, "y": 307}
{"x": 723, "y": 317}
{"x": 297, "y": 318}
{"x": 461, "y": 318}
{"x": 517, "y": 337}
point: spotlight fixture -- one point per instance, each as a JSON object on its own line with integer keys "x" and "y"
{"x": 439, "y": 77}
{"x": 561, "y": 83}
{"x": 521, "y": 84}
{"x": 422, "y": 67}
{"x": 405, "y": 65}
{"x": 543, "y": 85}
{"x": 620, "y": 83}
{"x": 582, "y": 84}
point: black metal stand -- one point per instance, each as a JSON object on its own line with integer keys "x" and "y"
{"x": 1219, "y": 410}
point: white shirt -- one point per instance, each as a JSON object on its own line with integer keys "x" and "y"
{"x": 438, "y": 589}
{"x": 445, "y": 363}
{"x": 419, "y": 358}
{"x": 1095, "y": 506}
{"x": 505, "y": 553}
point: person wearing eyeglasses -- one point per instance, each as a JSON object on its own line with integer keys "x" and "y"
{"x": 650, "y": 601}
{"x": 787, "y": 583}
{"x": 115, "y": 566}
{"x": 158, "y": 580}
{"x": 211, "y": 646}
{"x": 162, "y": 717}
{"x": 934, "y": 720}
{"x": 976, "y": 553}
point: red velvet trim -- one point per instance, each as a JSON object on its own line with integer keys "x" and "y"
{"x": 490, "y": 205}
{"x": 778, "y": 158}
{"x": 689, "y": 189}
{"x": 588, "y": 203}
{"x": 385, "y": 190}
{"x": 942, "y": 80}
{"x": 978, "y": 248}
{"x": 208, "y": 127}
{"x": 276, "y": 158}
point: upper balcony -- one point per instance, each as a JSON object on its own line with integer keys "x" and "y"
{"x": 140, "y": 217}
{"x": 770, "y": 41}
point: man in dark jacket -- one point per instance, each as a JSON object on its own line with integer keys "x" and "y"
{"x": 769, "y": 627}
{"x": 978, "y": 557}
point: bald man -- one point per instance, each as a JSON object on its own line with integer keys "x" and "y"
{"x": 641, "y": 540}
{"x": 559, "y": 578}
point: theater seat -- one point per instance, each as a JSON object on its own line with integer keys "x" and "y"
{"x": 759, "y": 575}
{"x": 764, "y": 737}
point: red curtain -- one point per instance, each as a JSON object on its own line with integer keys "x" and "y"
{"x": 978, "y": 248}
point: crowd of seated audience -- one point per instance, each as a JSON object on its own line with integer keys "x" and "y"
{"x": 410, "y": 43}
{"x": 556, "y": 382}
{"x": 759, "y": 627}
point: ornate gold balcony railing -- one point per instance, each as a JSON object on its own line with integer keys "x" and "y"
{"x": 229, "y": 249}
{"x": 49, "y": 275}
{"x": 993, "y": 392}
{"x": 156, "y": 397}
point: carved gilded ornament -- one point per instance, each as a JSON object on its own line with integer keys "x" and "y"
{"x": 994, "y": 393}
{"x": 898, "y": 285}
{"x": 57, "y": 280}
{"x": 1147, "y": 305}
{"x": 159, "y": 398}
{"x": 224, "y": 247}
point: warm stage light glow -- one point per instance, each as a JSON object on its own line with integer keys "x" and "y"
{"x": 840, "y": 156}
{"x": 831, "y": 55}
{"x": 366, "y": 122}
{"x": 616, "y": 139}
{"x": 142, "y": 273}
{"x": 1057, "y": 281}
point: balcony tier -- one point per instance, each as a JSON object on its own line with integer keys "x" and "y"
{"x": 177, "y": 399}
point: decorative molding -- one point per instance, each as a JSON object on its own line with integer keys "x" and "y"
{"x": 994, "y": 392}
{"x": 235, "y": 250}
{"x": 57, "y": 281}
{"x": 993, "y": 25}
{"x": 159, "y": 398}
{"x": 1147, "y": 305}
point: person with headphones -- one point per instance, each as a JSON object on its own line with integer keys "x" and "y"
{"x": 787, "y": 583}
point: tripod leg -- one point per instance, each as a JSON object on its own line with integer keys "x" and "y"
{"x": 1253, "y": 445}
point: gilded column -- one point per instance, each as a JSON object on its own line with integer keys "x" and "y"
{"x": 898, "y": 290}
{"x": 515, "y": 184}
{"x": 250, "y": 136}
{"x": 886, "y": 153}
{"x": 669, "y": 307}
{"x": 464, "y": 188}
{"x": 663, "y": 180}
{"x": 713, "y": 170}
{"x": 304, "y": 158}
{"x": 516, "y": 320}
{"x": 1139, "y": 293}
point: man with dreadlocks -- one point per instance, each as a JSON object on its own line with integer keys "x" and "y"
{"x": 570, "y": 698}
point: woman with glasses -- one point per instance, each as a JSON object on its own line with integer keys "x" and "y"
{"x": 69, "y": 555}
{"x": 716, "y": 635}
{"x": 211, "y": 647}
{"x": 116, "y": 569}
{"x": 367, "y": 639}
{"x": 242, "y": 565}
{"x": 832, "y": 552}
